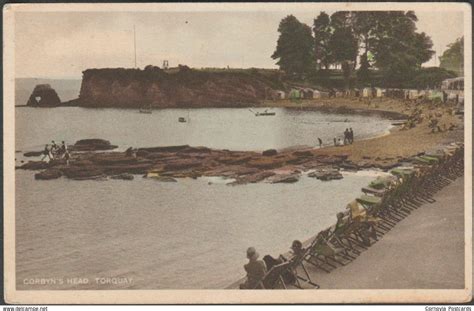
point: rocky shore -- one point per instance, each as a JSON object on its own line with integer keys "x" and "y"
{"x": 90, "y": 162}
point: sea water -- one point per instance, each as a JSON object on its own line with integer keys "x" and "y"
{"x": 146, "y": 234}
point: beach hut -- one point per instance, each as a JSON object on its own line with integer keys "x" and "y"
{"x": 307, "y": 93}
{"x": 412, "y": 94}
{"x": 379, "y": 92}
{"x": 280, "y": 94}
{"x": 323, "y": 94}
{"x": 433, "y": 94}
{"x": 366, "y": 91}
{"x": 316, "y": 94}
{"x": 295, "y": 94}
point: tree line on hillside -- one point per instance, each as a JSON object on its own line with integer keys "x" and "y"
{"x": 385, "y": 42}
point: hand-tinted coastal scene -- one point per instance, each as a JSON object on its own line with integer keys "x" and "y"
{"x": 255, "y": 149}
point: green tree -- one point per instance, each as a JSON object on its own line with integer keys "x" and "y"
{"x": 398, "y": 49}
{"x": 365, "y": 24}
{"x": 343, "y": 44}
{"x": 295, "y": 47}
{"x": 322, "y": 35}
{"x": 453, "y": 58}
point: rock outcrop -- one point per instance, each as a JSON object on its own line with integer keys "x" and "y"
{"x": 185, "y": 87}
{"x": 170, "y": 162}
{"x": 92, "y": 145}
{"x": 44, "y": 96}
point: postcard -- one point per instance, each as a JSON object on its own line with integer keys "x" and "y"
{"x": 237, "y": 153}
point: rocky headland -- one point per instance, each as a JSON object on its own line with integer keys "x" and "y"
{"x": 181, "y": 87}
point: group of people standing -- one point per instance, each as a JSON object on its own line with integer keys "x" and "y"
{"x": 56, "y": 152}
{"x": 348, "y": 138}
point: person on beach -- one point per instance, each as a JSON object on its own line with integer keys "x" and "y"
{"x": 54, "y": 149}
{"x": 67, "y": 156}
{"x": 346, "y": 136}
{"x": 255, "y": 269}
{"x": 340, "y": 142}
{"x": 63, "y": 149}
{"x": 351, "y": 136}
{"x": 297, "y": 251}
{"x": 341, "y": 223}
{"x": 335, "y": 141}
{"x": 46, "y": 152}
{"x": 320, "y": 142}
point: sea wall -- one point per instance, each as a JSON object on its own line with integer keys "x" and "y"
{"x": 184, "y": 87}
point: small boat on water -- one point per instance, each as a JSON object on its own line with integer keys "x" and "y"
{"x": 146, "y": 110}
{"x": 183, "y": 119}
{"x": 264, "y": 113}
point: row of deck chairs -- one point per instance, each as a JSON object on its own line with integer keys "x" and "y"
{"x": 385, "y": 202}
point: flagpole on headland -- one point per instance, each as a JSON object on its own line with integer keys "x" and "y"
{"x": 135, "y": 45}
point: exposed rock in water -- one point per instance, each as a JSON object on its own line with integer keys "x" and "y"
{"x": 349, "y": 166}
{"x": 81, "y": 173}
{"x": 192, "y": 162}
{"x": 92, "y": 145}
{"x": 33, "y": 153}
{"x": 269, "y": 152}
{"x": 44, "y": 96}
{"x": 326, "y": 174}
{"x": 252, "y": 178}
{"x": 163, "y": 149}
{"x": 48, "y": 174}
{"x": 284, "y": 178}
{"x": 164, "y": 179}
{"x": 35, "y": 165}
{"x": 124, "y": 176}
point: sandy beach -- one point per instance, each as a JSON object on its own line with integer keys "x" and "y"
{"x": 400, "y": 143}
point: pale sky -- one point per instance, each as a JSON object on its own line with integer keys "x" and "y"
{"x": 63, "y": 44}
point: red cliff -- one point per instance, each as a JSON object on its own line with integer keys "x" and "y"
{"x": 183, "y": 87}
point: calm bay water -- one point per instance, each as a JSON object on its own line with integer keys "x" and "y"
{"x": 189, "y": 234}
{"x": 235, "y": 129}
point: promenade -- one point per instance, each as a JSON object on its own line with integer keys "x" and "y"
{"x": 423, "y": 251}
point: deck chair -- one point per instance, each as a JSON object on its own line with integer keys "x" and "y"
{"x": 325, "y": 256}
{"x": 349, "y": 234}
{"x": 273, "y": 279}
{"x": 368, "y": 226}
{"x": 297, "y": 262}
